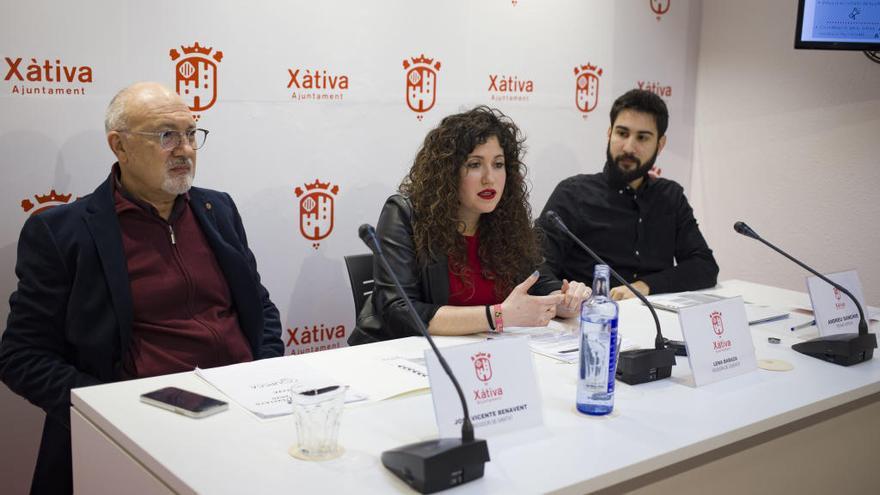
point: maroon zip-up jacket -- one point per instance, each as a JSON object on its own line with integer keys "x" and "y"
{"x": 183, "y": 316}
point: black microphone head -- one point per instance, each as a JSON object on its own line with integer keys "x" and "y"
{"x": 366, "y": 232}
{"x": 554, "y": 217}
{"x": 742, "y": 228}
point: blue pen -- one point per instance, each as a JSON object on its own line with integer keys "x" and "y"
{"x": 803, "y": 325}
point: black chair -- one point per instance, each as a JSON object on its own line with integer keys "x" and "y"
{"x": 360, "y": 275}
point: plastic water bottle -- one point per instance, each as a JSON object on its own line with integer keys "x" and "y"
{"x": 598, "y": 348}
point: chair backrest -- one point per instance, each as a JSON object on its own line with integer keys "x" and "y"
{"x": 360, "y": 275}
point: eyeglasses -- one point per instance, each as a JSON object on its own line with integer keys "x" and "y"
{"x": 169, "y": 140}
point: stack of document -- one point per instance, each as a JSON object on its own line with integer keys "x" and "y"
{"x": 755, "y": 313}
{"x": 264, "y": 387}
{"x": 554, "y": 340}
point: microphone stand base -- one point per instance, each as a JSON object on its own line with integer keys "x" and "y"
{"x": 845, "y": 349}
{"x": 645, "y": 365}
{"x": 439, "y": 464}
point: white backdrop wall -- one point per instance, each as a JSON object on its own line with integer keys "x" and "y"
{"x": 270, "y": 137}
{"x": 788, "y": 141}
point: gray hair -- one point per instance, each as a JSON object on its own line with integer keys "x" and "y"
{"x": 114, "y": 119}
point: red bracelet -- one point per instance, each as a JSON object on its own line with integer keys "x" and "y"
{"x": 499, "y": 320}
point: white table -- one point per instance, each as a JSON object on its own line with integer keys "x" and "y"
{"x": 810, "y": 428}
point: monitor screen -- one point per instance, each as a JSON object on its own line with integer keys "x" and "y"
{"x": 838, "y": 25}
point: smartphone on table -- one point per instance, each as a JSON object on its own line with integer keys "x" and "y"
{"x": 184, "y": 402}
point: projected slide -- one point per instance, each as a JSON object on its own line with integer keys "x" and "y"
{"x": 842, "y": 20}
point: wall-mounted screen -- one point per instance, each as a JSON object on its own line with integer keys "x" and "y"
{"x": 838, "y": 25}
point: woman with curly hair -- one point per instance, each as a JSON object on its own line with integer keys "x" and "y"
{"x": 459, "y": 238}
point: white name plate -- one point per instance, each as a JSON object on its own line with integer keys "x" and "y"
{"x": 835, "y": 312}
{"x": 497, "y": 378}
{"x": 719, "y": 343}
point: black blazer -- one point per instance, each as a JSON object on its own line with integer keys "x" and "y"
{"x": 384, "y": 315}
{"x": 70, "y": 318}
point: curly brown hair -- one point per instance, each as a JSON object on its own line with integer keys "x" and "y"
{"x": 509, "y": 246}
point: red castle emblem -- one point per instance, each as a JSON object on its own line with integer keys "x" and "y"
{"x": 586, "y": 95}
{"x": 316, "y": 210}
{"x": 660, "y": 7}
{"x": 196, "y": 76}
{"x": 44, "y": 202}
{"x": 717, "y": 323}
{"x": 839, "y": 303}
{"x": 421, "y": 83}
{"x": 482, "y": 366}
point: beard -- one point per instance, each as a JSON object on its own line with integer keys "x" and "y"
{"x": 620, "y": 177}
{"x": 178, "y": 184}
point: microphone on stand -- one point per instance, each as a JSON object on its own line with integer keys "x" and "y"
{"x": 844, "y": 349}
{"x": 432, "y": 465}
{"x": 640, "y": 365}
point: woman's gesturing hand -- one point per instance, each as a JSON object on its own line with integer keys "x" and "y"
{"x": 574, "y": 294}
{"x": 523, "y": 310}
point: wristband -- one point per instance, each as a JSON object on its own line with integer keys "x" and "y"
{"x": 489, "y": 319}
{"x": 499, "y": 320}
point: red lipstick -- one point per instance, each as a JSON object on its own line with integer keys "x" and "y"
{"x": 487, "y": 193}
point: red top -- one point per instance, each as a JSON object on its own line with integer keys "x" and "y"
{"x": 183, "y": 315}
{"x": 481, "y": 291}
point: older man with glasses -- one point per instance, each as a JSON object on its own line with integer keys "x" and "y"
{"x": 145, "y": 276}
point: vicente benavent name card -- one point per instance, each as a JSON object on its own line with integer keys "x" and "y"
{"x": 718, "y": 339}
{"x": 497, "y": 378}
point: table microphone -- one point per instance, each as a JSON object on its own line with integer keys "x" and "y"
{"x": 844, "y": 349}
{"x": 640, "y": 365}
{"x": 432, "y": 465}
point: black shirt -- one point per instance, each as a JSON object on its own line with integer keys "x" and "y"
{"x": 648, "y": 234}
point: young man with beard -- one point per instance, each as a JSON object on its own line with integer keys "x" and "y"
{"x": 641, "y": 225}
{"x": 145, "y": 276}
